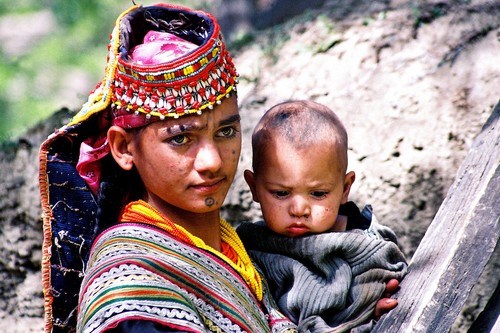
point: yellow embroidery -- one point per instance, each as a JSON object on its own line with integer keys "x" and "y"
{"x": 140, "y": 211}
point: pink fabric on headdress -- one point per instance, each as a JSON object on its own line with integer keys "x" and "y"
{"x": 89, "y": 162}
{"x": 160, "y": 47}
{"x": 127, "y": 120}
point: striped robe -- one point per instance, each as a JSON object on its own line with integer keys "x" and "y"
{"x": 141, "y": 272}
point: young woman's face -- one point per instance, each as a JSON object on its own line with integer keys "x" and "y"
{"x": 299, "y": 190}
{"x": 188, "y": 164}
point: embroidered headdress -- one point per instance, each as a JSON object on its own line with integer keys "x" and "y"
{"x": 198, "y": 79}
{"x": 163, "y": 61}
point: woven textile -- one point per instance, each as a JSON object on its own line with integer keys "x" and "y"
{"x": 327, "y": 282}
{"x": 69, "y": 210}
{"x": 141, "y": 272}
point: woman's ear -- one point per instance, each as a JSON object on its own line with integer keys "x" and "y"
{"x": 250, "y": 179}
{"x": 119, "y": 142}
{"x": 348, "y": 181}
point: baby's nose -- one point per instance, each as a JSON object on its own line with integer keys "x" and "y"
{"x": 300, "y": 207}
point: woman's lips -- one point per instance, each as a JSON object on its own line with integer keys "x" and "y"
{"x": 209, "y": 187}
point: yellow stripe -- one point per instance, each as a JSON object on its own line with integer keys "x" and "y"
{"x": 244, "y": 266}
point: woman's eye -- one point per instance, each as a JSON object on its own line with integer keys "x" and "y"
{"x": 179, "y": 139}
{"x": 227, "y": 132}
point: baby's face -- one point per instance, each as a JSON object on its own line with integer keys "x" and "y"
{"x": 300, "y": 191}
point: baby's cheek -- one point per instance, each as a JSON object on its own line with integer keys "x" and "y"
{"x": 325, "y": 211}
{"x": 325, "y": 216}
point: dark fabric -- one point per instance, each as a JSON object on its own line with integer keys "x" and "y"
{"x": 73, "y": 223}
{"x": 356, "y": 219}
{"x": 141, "y": 326}
{"x": 191, "y": 26}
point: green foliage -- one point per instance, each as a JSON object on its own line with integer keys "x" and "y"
{"x": 241, "y": 40}
{"x": 424, "y": 12}
{"x": 19, "y": 6}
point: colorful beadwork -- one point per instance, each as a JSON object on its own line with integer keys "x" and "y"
{"x": 169, "y": 90}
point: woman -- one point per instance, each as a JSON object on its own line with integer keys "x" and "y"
{"x": 157, "y": 145}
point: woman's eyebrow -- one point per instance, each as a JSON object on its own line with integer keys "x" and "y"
{"x": 179, "y": 129}
{"x": 235, "y": 118}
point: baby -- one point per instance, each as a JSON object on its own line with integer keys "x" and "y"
{"x": 299, "y": 169}
{"x": 321, "y": 278}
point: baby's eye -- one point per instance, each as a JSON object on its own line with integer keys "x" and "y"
{"x": 280, "y": 194}
{"x": 319, "y": 194}
{"x": 180, "y": 139}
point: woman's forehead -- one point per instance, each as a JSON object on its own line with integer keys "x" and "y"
{"x": 225, "y": 113}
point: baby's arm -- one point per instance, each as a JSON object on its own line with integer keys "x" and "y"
{"x": 386, "y": 303}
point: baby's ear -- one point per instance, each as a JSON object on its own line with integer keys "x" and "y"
{"x": 348, "y": 181}
{"x": 250, "y": 179}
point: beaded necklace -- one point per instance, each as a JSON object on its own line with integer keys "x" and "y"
{"x": 233, "y": 251}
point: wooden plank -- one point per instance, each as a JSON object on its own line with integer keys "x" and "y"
{"x": 457, "y": 244}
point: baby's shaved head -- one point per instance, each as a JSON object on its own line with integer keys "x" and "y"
{"x": 302, "y": 124}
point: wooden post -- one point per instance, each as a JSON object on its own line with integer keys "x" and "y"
{"x": 457, "y": 244}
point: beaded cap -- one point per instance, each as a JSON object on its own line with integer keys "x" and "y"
{"x": 190, "y": 84}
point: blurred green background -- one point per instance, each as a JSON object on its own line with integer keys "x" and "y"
{"x": 53, "y": 52}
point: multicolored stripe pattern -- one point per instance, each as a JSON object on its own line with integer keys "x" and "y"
{"x": 137, "y": 271}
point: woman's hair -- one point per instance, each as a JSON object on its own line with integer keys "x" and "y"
{"x": 117, "y": 188}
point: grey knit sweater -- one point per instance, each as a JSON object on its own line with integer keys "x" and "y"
{"x": 328, "y": 282}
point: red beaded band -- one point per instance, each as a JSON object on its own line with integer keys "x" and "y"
{"x": 189, "y": 85}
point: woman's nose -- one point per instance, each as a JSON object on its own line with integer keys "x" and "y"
{"x": 300, "y": 207}
{"x": 208, "y": 158}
